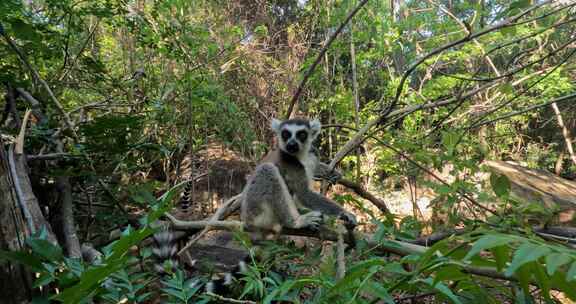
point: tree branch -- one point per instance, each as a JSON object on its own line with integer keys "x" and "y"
{"x": 67, "y": 120}
{"x": 296, "y": 95}
{"x": 515, "y": 113}
{"x": 505, "y": 23}
{"x": 565, "y": 132}
{"x": 358, "y": 189}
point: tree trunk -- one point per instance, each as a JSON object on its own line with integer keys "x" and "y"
{"x": 20, "y": 217}
{"x": 15, "y": 281}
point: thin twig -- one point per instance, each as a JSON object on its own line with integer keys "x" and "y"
{"x": 565, "y": 132}
{"x": 415, "y": 163}
{"x": 360, "y": 135}
{"x": 229, "y": 300}
{"x": 519, "y": 112}
{"x": 217, "y": 216}
{"x": 319, "y": 57}
{"x": 68, "y": 122}
{"x": 49, "y": 156}
{"x": 358, "y": 189}
{"x": 340, "y": 257}
{"x": 505, "y": 23}
{"x": 525, "y": 90}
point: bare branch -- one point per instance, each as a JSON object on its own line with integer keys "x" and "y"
{"x": 505, "y": 23}
{"x": 522, "y": 92}
{"x": 49, "y": 156}
{"x": 360, "y": 135}
{"x": 67, "y": 120}
{"x": 36, "y": 105}
{"x": 534, "y": 107}
{"x": 409, "y": 159}
{"x": 319, "y": 57}
{"x": 565, "y": 132}
{"x": 358, "y": 189}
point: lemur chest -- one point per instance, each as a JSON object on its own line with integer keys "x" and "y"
{"x": 298, "y": 178}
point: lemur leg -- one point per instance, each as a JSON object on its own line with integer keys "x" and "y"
{"x": 268, "y": 203}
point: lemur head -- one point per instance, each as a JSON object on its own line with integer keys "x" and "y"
{"x": 296, "y": 135}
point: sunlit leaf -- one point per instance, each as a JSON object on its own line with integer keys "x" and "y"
{"x": 487, "y": 242}
{"x": 526, "y": 253}
{"x": 500, "y": 184}
{"x": 555, "y": 260}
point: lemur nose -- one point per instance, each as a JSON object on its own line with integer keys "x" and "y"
{"x": 292, "y": 147}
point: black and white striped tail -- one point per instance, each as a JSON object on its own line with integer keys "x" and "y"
{"x": 165, "y": 251}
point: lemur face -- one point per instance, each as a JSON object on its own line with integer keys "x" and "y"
{"x": 295, "y": 135}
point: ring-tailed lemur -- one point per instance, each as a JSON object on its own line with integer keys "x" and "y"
{"x": 186, "y": 169}
{"x": 282, "y": 182}
{"x": 164, "y": 250}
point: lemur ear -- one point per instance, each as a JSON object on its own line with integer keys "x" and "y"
{"x": 315, "y": 127}
{"x": 275, "y": 125}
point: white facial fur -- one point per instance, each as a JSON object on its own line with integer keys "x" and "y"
{"x": 313, "y": 132}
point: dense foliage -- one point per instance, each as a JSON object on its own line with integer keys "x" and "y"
{"x": 432, "y": 88}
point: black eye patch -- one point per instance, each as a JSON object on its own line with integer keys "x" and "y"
{"x": 286, "y": 135}
{"x": 302, "y": 135}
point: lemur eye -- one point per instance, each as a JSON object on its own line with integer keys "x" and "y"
{"x": 302, "y": 135}
{"x": 286, "y": 135}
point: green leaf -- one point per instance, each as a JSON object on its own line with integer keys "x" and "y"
{"x": 357, "y": 271}
{"x": 524, "y": 275}
{"x": 487, "y": 242}
{"x": 45, "y": 249}
{"x": 115, "y": 261}
{"x": 450, "y": 140}
{"x": 558, "y": 280}
{"x": 449, "y": 273}
{"x": 501, "y": 256}
{"x": 279, "y": 292}
{"x": 509, "y": 30}
{"x": 500, "y": 184}
{"x": 444, "y": 290}
{"x": 444, "y": 189}
{"x": 506, "y": 88}
{"x": 555, "y": 260}
{"x": 23, "y": 258}
{"x": 40, "y": 300}
{"x": 571, "y": 275}
{"x": 44, "y": 279}
{"x": 377, "y": 290}
{"x": 542, "y": 279}
{"x": 23, "y": 30}
{"x": 526, "y": 253}
{"x": 519, "y": 4}
{"x": 163, "y": 204}
{"x": 88, "y": 282}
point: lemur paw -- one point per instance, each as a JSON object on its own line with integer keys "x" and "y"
{"x": 312, "y": 220}
{"x": 349, "y": 219}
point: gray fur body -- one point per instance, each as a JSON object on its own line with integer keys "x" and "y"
{"x": 282, "y": 183}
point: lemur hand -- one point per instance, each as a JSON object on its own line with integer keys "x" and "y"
{"x": 311, "y": 220}
{"x": 349, "y": 219}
